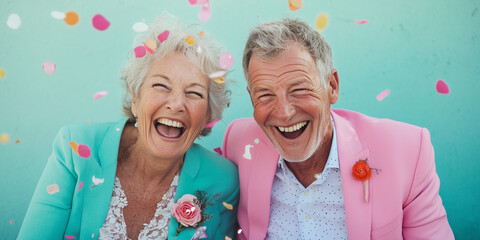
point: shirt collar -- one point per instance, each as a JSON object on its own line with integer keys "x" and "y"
{"x": 332, "y": 161}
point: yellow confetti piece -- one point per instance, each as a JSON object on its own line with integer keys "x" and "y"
{"x": 150, "y": 43}
{"x": 321, "y": 21}
{"x": 71, "y": 18}
{"x": 2, "y": 73}
{"x": 54, "y": 188}
{"x": 227, "y": 206}
{"x": 74, "y": 146}
{"x": 227, "y": 238}
{"x": 219, "y": 80}
{"x": 295, "y": 4}
{"x": 189, "y": 40}
{"x": 4, "y": 138}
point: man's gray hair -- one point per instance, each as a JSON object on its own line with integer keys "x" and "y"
{"x": 271, "y": 39}
{"x": 203, "y": 53}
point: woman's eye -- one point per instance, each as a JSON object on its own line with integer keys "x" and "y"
{"x": 160, "y": 85}
{"x": 196, "y": 94}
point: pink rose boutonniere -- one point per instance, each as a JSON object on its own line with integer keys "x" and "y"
{"x": 363, "y": 172}
{"x": 189, "y": 210}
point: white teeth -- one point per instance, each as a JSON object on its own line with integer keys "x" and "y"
{"x": 293, "y": 127}
{"x": 170, "y": 123}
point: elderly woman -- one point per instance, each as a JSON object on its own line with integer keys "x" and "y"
{"x": 143, "y": 177}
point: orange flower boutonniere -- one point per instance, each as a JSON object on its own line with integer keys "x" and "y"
{"x": 363, "y": 172}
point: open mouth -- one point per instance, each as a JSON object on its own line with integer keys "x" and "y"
{"x": 169, "y": 128}
{"x": 293, "y": 131}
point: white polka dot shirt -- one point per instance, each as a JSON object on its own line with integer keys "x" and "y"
{"x": 315, "y": 212}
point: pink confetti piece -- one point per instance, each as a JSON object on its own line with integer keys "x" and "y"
{"x": 70, "y": 237}
{"x": 442, "y": 87}
{"x": 52, "y": 189}
{"x": 140, "y": 51}
{"x": 12, "y": 222}
{"x": 218, "y": 150}
{"x": 383, "y": 94}
{"x": 226, "y": 60}
{"x": 163, "y": 36}
{"x": 100, "y": 22}
{"x": 99, "y": 95}
{"x": 195, "y": 2}
{"x": 80, "y": 186}
{"x": 83, "y": 151}
{"x": 361, "y": 21}
{"x": 211, "y": 124}
{"x": 205, "y": 12}
{"x": 49, "y": 67}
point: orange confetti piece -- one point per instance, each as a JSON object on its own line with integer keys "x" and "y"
{"x": 74, "y": 146}
{"x": 201, "y": 33}
{"x": 2, "y": 73}
{"x": 321, "y": 21}
{"x": 4, "y": 138}
{"x": 54, "y": 188}
{"x": 71, "y": 18}
{"x": 219, "y": 80}
{"x": 227, "y": 238}
{"x": 189, "y": 40}
{"x": 151, "y": 45}
{"x": 17, "y": 142}
{"x": 228, "y": 206}
{"x": 295, "y": 4}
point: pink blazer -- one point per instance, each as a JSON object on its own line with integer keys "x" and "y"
{"x": 403, "y": 198}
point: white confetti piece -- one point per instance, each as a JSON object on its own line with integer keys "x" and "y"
{"x": 54, "y": 188}
{"x": 140, "y": 27}
{"x": 58, "y": 15}
{"x": 256, "y": 141}
{"x": 318, "y": 175}
{"x": 217, "y": 74}
{"x": 247, "y": 154}
{"x": 14, "y": 21}
{"x": 97, "y": 181}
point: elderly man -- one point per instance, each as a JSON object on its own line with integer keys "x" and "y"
{"x": 311, "y": 172}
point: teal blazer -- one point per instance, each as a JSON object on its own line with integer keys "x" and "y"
{"x": 79, "y": 208}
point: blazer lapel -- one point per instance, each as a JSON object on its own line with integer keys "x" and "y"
{"x": 97, "y": 198}
{"x": 350, "y": 150}
{"x": 186, "y": 185}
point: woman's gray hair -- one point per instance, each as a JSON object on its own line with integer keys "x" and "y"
{"x": 203, "y": 53}
{"x": 271, "y": 39}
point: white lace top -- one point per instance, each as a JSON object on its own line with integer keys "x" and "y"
{"x": 114, "y": 226}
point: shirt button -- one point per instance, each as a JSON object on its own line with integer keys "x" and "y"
{"x": 307, "y": 217}
{"x": 306, "y": 193}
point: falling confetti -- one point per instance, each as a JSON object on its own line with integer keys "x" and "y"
{"x": 4, "y": 138}
{"x": 71, "y": 18}
{"x": 295, "y": 4}
{"x": 217, "y": 74}
{"x": 49, "y": 67}
{"x": 163, "y": 36}
{"x": 218, "y": 150}
{"x": 74, "y": 146}
{"x": 96, "y": 181}
{"x": 211, "y": 124}
{"x": 99, "y": 95}
{"x": 219, "y": 80}
{"x": 239, "y": 231}
{"x": 100, "y": 23}
{"x": 317, "y": 175}
{"x": 383, "y": 94}
{"x": 256, "y": 141}
{"x": 442, "y": 87}
{"x": 118, "y": 129}
{"x": 80, "y": 186}
{"x": 58, "y": 15}
{"x": 189, "y": 40}
{"x": 140, "y": 51}
{"x": 17, "y": 142}
{"x": 205, "y": 12}
{"x": 93, "y": 234}
{"x": 83, "y": 151}
{"x": 70, "y": 237}
{"x": 227, "y": 238}
{"x": 321, "y": 21}
{"x": 227, "y": 206}
{"x": 361, "y": 21}
{"x": 14, "y": 21}
{"x": 150, "y": 45}
{"x": 226, "y": 60}
{"x": 12, "y": 222}
{"x": 140, "y": 27}
{"x": 247, "y": 154}
{"x": 201, "y": 33}
{"x": 53, "y": 189}
{"x": 2, "y": 73}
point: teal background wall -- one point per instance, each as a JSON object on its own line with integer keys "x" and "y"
{"x": 406, "y": 47}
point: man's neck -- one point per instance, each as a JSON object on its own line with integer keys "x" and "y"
{"x": 305, "y": 171}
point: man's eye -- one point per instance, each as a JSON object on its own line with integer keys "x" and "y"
{"x": 264, "y": 96}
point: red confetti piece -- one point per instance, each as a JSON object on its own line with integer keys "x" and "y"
{"x": 442, "y": 87}
{"x": 218, "y": 150}
{"x": 100, "y": 23}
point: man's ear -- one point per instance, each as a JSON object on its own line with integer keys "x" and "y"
{"x": 333, "y": 86}
{"x": 250, "y": 94}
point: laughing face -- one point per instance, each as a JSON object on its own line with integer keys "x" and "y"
{"x": 290, "y": 104}
{"x": 172, "y": 107}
